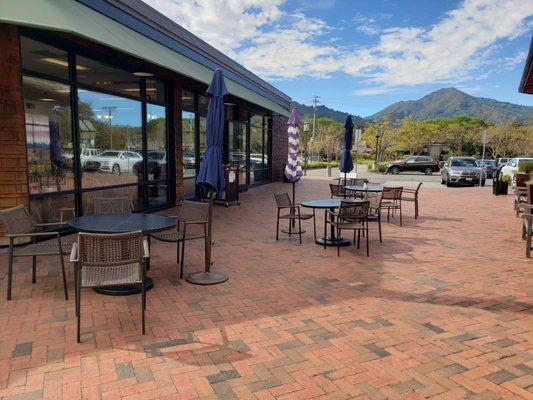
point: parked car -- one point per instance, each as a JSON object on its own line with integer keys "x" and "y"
{"x": 157, "y": 165}
{"x": 115, "y": 161}
{"x": 86, "y": 154}
{"x": 424, "y": 164}
{"x": 489, "y": 167}
{"x": 502, "y": 161}
{"x": 462, "y": 171}
{"x": 511, "y": 168}
{"x": 189, "y": 161}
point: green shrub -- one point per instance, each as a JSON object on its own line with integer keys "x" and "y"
{"x": 381, "y": 167}
{"x": 506, "y": 179}
{"x": 319, "y": 164}
{"x": 525, "y": 167}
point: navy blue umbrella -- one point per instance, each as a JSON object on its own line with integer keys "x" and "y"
{"x": 346, "y": 164}
{"x": 210, "y": 176}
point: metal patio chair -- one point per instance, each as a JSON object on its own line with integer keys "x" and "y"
{"x": 19, "y": 224}
{"x": 337, "y": 190}
{"x": 413, "y": 196}
{"x": 283, "y": 202}
{"x": 527, "y": 227}
{"x": 392, "y": 201}
{"x": 351, "y": 216}
{"x": 112, "y": 205}
{"x": 103, "y": 260}
{"x": 190, "y": 213}
{"x": 374, "y": 211}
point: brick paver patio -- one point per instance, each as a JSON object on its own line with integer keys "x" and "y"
{"x": 441, "y": 309}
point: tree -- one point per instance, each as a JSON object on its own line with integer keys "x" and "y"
{"x": 388, "y": 138}
{"x": 328, "y": 137}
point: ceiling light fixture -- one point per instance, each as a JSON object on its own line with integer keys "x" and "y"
{"x": 62, "y": 63}
{"x": 143, "y": 73}
{"x": 47, "y": 99}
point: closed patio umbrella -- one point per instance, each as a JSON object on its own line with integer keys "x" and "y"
{"x": 210, "y": 176}
{"x": 346, "y": 164}
{"x": 293, "y": 169}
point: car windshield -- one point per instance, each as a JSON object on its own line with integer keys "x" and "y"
{"x": 156, "y": 155}
{"x": 109, "y": 154}
{"x": 464, "y": 162}
{"x": 489, "y": 162}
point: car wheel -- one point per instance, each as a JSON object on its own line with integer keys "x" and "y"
{"x": 428, "y": 171}
{"x": 395, "y": 170}
{"x": 483, "y": 183}
{"x": 116, "y": 169}
{"x": 442, "y": 180}
{"x": 448, "y": 182}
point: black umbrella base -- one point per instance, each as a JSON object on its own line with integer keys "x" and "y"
{"x": 207, "y": 278}
{"x": 333, "y": 242}
{"x": 124, "y": 290}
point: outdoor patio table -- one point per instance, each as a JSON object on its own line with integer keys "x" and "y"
{"x": 371, "y": 187}
{"x": 329, "y": 204}
{"x": 121, "y": 223}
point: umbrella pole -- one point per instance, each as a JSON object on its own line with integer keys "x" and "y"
{"x": 293, "y": 200}
{"x": 208, "y": 277}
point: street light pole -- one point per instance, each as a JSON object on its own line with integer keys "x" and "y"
{"x": 378, "y": 134}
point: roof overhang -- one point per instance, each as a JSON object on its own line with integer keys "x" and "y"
{"x": 526, "y": 83}
{"x": 104, "y": 23}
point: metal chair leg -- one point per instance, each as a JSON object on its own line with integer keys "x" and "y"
{"x": 401, "y": 223}
{"x": 63, "y": 268}
{"x": 367, "y": 240}
{"x": 182, "y": 257}
{"x": 78, "y": 306}
{"x": 314, "y": 223}
{"x": 300, "y": 229}
{"x": 143, "y": 305}
{"x": 277, "y": 227}
{"x": 338, "y": 243}
{"x": 379, "y": 228}
{"x": 34, "y": 269}
{"x": 9, "y": 270}
{"x": 325, "y": 228}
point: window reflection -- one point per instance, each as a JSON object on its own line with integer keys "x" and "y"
{"x": 155, "y": 90}
{"x": 43, "y": 58}
{"x": 187, "y": 101}
{"x": 111, "y": 145}
{"x": 237, "y": 148}
{"x": 48, "y": 135}
{"x": 189, "y": 148}
{"x": 156, "y": 137}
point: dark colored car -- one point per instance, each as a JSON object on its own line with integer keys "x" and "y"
{"x": 424, "y": 164}
{"x": 489, "y": 167}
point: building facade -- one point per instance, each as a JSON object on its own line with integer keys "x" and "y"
{"x": 105, "y": 98}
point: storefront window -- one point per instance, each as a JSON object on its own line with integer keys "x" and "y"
{"x": 237, "y": 148}
{"x": 48, "y": 135}
{"x": 112, "y": 153}
{"x": 155, "y": 90}
{"x": 156, "y": 139}
{"x": 44, "y": 59}
{"x": 258, "y": 149}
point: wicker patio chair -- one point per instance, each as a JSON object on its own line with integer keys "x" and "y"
{"x": 337, "y": 190}
{"x": 190, "y": 213}
{"x": 103, "y": 260}
{"x": 413, "y": 196}
{"x": 374, "y": 212}
{"x": 351, "y": 216}
{"x": 19, "y": 224}
{"x": 283, "y": 202}
{"x": 527, "y": 227}
{"x": 392, "y": 201}
{"x": 112, "y": 205}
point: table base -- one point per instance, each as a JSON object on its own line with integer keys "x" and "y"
{"x": 333, "y": 242}
{"x": 124, "y": 290}
{"x": 207, "y": 278}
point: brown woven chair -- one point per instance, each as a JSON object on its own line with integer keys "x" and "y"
{"x": 413, "y": 196}
{"x": 19, "y": 224}
{"x": 112, "y": 205}
{"x": 283, "y": 202}
{"x": 351, "y": 216}
{"x": 374, "y": 212}
{"x": 392, "y": 201}
{"x": 337, "y": 190}
{"x": 103, "y": 260}
{"x": 190, "y": 213}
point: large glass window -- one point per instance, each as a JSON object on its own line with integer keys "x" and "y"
{"x": 237, "y": 143}
{"x": 48, "y": 136}
{"x": 259, "y": 148}
{"x": 112, "y": 153}
{"x": 119, "y": 154}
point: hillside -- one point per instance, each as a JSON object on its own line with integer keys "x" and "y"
{"x": 451, "y": 102}
{"x": 326, "y": 112}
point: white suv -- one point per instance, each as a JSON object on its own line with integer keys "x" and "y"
{"x": 115, "y": 161}
{"x": 511, "y": 168}
{"x": 86, "y": 154}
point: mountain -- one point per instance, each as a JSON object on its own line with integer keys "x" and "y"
{"x": 306, "y": 112}
{"x": 451, "y": 102}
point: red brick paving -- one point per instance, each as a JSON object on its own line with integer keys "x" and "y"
{"x": 440, "y": 310}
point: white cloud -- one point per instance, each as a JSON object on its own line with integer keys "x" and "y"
{"x": 372, "y": 91}
{"x": 280, "y": 45}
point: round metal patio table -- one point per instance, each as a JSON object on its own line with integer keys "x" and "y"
{"x": 329, "y": 204}
{"x": 121, "y": 223}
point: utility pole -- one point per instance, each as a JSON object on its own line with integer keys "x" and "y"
{"x": 315, "y": 102}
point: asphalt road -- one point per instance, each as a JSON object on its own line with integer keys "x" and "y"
{"x": 403, "y": 178}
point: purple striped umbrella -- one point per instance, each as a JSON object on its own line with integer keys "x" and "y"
{"x": 293, "y": 169}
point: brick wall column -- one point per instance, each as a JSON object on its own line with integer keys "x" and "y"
{"x": 279, "y": 147}
{"x": 178, "y": 144}
{"x": 13, "y": 158}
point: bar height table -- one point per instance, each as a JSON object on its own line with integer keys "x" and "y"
{"x": 121, "y": 223}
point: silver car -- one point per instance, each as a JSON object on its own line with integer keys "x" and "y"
{"x": 462, "y": 171}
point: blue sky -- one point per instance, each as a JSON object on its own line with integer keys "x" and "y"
{"x": 360, "y": 56}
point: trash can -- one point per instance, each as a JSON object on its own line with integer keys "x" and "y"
{"x": 231, "y": 193}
